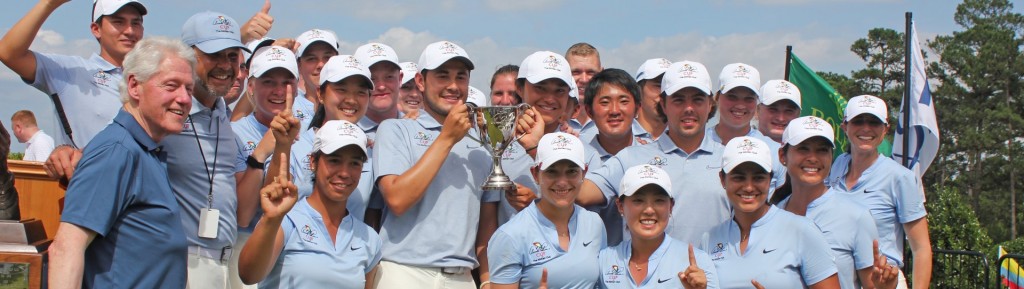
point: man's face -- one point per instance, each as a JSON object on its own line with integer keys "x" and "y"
{"x": 773, "y": 119}
{"x": 165, "y": 99}
{"x": 270, "y": 93}
{"x": 312, "y": 61}
{"x": 217, "y": 71}
{"x": 550, "y": 97}
{"x": 385, "y": 76}
{"x": 118, "y": 32}
{"x": 687, "y": 112}
{"x": 736, "y": 107}
{"x": 503, "y": 92}
{"x": 613, "y": 110}
{"x": 240, "y": 85}
{"x": 444, "y": 87}
{"x": 583, "y": 69}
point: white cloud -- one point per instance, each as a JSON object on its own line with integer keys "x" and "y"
{"x": 522, "y": 5}
{"x": 49, "y": 41}
{"x": 806, "y": 2}
{"x": 384, "y": 11}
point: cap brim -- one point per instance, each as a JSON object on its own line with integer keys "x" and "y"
{"x": 766, "y": 166}
{"x": 802, "y": 138}
{"x": 340, "y": 77}
{"x": 335, "y": 147}
{"x": 544, "y": 164}
{"x": 303, "y": 48}
{"x": 684, "y": 84}
{"x": 727, "y": 88}
{"x": 258, "y": 74}
{"x": 216, "y": 45}
{"x": 534, "y": 79}
{"x": 469, "y": 63}
{"x": 661, "y": 189}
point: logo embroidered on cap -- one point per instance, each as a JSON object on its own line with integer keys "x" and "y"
{"x": 813, "y": 123}
{"x": 553, "y": 63}
{"x": 275, "y": 54}
{"x": 647, "y": 172}
{"x": 376, "y": 50}
{"x": 561, "y": 143}
{"x": 223, "y": 24}
{"x": 410, "y": 66}
{"x": 748, "y": 147}
{"x": 783, "y": 87}
{"x": 687, "y": 71}
{"x": 316, "y": 34}
{"x": 741, "y": 72}
{"x": 867, "y": 102}
{"x": 351, "y": 62}
{"x": 448, "y": 48}
{"x": 658, "y": 161}
{"x": 664, "y": 63}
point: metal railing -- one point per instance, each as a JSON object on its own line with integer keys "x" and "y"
{"x": 956, "y": 269}
{"x": 999, "y": 269}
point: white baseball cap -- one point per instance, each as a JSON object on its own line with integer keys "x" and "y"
{"x": 543, "y": 65}
{"x": 685, "y": 74}
{"x": 805, "y": 127}
{"x": 867, "y": 104}
{"x": 640, "y": 176}
{"x": 313, "y": 36}
{"x": 212, "y": 32}
{"x": 652, "y": 68}
{"x": 557, "y": 146}
{"x": 270, "y": 57}
{"x": 409, "y": 70}
{"x": 336, "y": 134}
{"x": 102, "y": 8}
{"x": 478, "y": 97}
{"x": 776, "y": 89}
{"x": 738, "y": 74}
{"x": 255, "y": 45}
{"x": 371, "y": 53}
{"x": 746, "y": 149}
{"x": 339, "y": 67}
{"x": 574, "y": 92}
{"x": 438, "y": 53}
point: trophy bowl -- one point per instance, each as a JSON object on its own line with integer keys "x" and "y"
{"x": 496, "y": 130}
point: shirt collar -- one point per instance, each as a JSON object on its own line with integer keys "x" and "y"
{"x": 367, "y": 124}
{"x": 251, "y": 118}
{"x": 103, "y": 64}
{"x": 33, "y": 138}
{"x": 772, "y": 211}
{"x": 135, "y": 130}
{"x": 217, "y": 112}
{"x": 707, "y": 145}
{"x": 427, "y": 121}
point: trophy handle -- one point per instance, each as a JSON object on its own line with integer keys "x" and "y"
{"x": 521, "y": 109}
{"x": 473, "y": 111}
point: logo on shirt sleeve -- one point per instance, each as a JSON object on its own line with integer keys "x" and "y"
{"x": 539, "y": 252}
{"x": 249, "y": 146}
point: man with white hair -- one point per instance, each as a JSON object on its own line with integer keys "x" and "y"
{"x": 120, "y": 209}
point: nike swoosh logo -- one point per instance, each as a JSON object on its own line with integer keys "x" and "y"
{"x": 354, "y": 248}
{"x": 587, "y": 243}
{"x": 663, "y": 280}
{"x": 868, "y": 192}
{"x": 766, "y": 251}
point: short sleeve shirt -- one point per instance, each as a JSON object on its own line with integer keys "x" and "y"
{"x": 87, "y": 89}
{"x": 121, "y": 192}
{"x": 310, "y": 259}
{"x": 783, "y": 251}
{"x": 451, "y": 203}
{"x": 663, "y": 267}
{"x": 849, "y": 230}
{"x": 190, "y": 168}
{"x": 302, "y": 175}
{"x": 38, "y": 147}
{"x": 596, "y": 155}
{"x": 521, "y": 249}
{"x": 892, "y": 194}
{"x": 700, "y": 204}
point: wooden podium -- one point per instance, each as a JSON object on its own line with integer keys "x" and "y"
{"x": 39, "y": 196}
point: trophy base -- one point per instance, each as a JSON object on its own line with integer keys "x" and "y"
{"x": 496, "y": 183}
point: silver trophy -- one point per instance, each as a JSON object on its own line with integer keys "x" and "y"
{"x": 496, "y": 128}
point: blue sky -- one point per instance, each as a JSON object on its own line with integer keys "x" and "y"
{"x": 498, "y": 32}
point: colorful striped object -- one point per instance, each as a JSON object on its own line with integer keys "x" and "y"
{"x": 1010, "y": 271}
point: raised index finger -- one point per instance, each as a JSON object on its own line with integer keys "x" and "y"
{"x": 282, "y": 173}
{"x": 879, "y": 260}
{"x": 693, "y": 259}
{"x": 289, "y": 95}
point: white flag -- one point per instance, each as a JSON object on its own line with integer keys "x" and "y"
{"x": 923, "y": 135}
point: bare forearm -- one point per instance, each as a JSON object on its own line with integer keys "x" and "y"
{"x": 14, "y": 51}
{"x": 488, "y": 224}
{"x": 922, "y": 268}
{"x": 249, "y": 184}
{"x": 282, "y": 153}
{"x": 260, "y": 251}
{"x": 67, "y": 256}
{"x": 590, "y": 195}
{"x": 401, "y": 192}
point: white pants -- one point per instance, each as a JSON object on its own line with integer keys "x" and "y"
{"x": 393, "y": 275}
{"x": 901, "y": 283}
{"x": 235, "y": 282}
{"x": 204, "y": 272}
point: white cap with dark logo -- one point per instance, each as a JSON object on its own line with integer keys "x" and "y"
{"x": 409, "y": 70}
{"x": 869, "y": 104}
{"x": 776, "y": 89}
{"x": 336, "y": 134}
{"x": 803, "y": 128}
{"x": 652, "y": 68}
{"x": 270, "y": 57}
{"x": 102, "y": 8}
{"x": 339, "y": 67}
{"x": 642, "y": 175}
{"x": 313, "y": 36}
{"x": 554, "y": 147}
{"x": 685, "y": 74}
{"x": 746, "y": 149}
{"x": 738, "y": 74}
{"x": 438, "y": 53}
{"x": 372, "y": 53}
{"x": 478, "y": 97}
{"x": 544, "y": 65}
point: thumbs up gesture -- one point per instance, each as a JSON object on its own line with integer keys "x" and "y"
{"x": 693, "y": 277}
{"x": 259, "y": 25}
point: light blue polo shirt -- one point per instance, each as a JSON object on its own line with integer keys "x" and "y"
{"x": 516, "y": 163}
{"x": 849, "y": 230}
{"x": 700, "y": 199}
{"x": 310, "y": 259}
{"x": 892, "y": 194}
{"x": 439, "y": 230}
{"x": 783, "y": 251}
{"x": 778, "y": 170}
{"x": 302, "y": 175}
{"x": 188, "y": 172}
{"x": 120, "y": 191}
{"x": 589, "y": 131}
{"x": 249, "y": 133}
{"x": 663, "y": 267}
{"x": 87, "y": 88}
{"x": 303, "y": 109}
{"x": 595, "y": 156}
{"x": 521, "y": 249}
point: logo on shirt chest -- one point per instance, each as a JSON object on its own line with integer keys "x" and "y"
{"x": 718, "y": 253}
{"x": 187, "y": 126}
{"x": 658, "y": 161}
{"x": 308, "y": 235}
{"x": 299, "y": 114}
{"x": 539, "y": 252}
{"x": 422, "y": 139}
{"x": 102, "y": 78}
{"x": 614, "y": 275}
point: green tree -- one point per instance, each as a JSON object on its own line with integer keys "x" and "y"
{"x": 845, "y": 85}
{"x": 979, "y": 103}
{"x": 954, "y": 226}
{"x": 883, "y": 51}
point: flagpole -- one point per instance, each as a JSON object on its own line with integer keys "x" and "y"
{"x": 906, "y": 92}
{"x": 789, "y": 53}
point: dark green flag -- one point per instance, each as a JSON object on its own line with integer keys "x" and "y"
{"x": 818, "y": 98}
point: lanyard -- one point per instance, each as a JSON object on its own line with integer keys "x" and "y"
{"x": 216, "y": 147}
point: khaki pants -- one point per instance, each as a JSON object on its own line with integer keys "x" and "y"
{"x": 234, "y": 282}
{"x": 901, "y": 283}
{"x": 393, "y": 275}
{"x": 205, "y": 272}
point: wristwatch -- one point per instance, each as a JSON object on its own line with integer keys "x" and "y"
{"x": 253, "y": 163}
